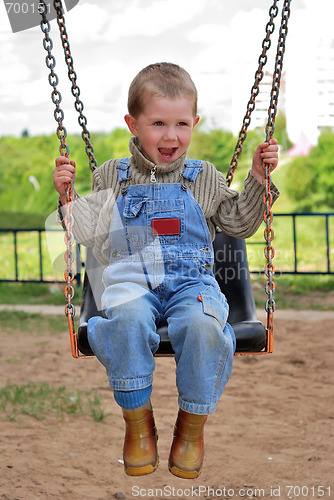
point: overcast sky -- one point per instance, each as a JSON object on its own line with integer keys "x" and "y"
{"x": 217, "y": 41}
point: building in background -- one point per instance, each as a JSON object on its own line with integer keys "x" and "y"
{"x": 325, "y": 85}
{"x": 306, "y": 94}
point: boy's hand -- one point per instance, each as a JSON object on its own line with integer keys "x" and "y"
{"x": 62, "y": 175}
{"x": 267, "y": 153}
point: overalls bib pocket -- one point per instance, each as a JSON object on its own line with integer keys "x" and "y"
{"x": 135, "y": 215}
{"x": 166, "y": 219}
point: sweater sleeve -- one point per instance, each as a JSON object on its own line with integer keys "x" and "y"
{"x": 240, "y": 215}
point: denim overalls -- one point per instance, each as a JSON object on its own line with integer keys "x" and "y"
{"x": 161, "y": 272}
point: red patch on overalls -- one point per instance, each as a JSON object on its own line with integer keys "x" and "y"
{"x": 165, "y": 227}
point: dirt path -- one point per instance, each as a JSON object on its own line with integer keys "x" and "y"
{"x": 274, "y": 427}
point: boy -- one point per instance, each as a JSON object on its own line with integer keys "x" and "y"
{"x": 151, "y": 220}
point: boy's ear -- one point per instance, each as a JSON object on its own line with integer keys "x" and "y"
{"x": 132, "y": 124}
{"x": 197, "y": 118}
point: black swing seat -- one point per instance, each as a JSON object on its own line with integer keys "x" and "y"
{"x": 232, "y": 273}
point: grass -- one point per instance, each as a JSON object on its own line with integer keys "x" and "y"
{"x": 10, "y": 220}
{"x": 298, "y": 292}
{"x": 42, "y": 400}
{"x": 35, "y": 293}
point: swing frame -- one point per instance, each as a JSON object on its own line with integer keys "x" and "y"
{"x": 64, "y": 150}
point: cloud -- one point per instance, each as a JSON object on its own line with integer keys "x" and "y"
{"x": 87, "y": 22}
{"x": 214, "y": 56}
{"x": 151, "y": 18}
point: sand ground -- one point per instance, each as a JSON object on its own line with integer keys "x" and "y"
{"x": 271, "y": 437}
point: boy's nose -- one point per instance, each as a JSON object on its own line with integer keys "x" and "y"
{"x": 170, "y": 134}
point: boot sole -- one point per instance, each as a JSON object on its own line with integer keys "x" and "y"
{"x": 141, "y": 471}
{"x": 184, "y": 474}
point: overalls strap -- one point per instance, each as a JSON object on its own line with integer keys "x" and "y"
{"x": 192, "y": 169}
{"x": 123, "y": 168}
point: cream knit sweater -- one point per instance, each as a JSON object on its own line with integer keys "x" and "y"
{"x": 239, "y": 215}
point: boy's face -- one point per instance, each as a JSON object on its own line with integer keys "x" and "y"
{"x": 164, "y": 128}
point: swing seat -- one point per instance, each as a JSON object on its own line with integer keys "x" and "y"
{"x": 232, "y": 273}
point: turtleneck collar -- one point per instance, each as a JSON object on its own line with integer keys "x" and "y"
{"x": 143, "y": 164}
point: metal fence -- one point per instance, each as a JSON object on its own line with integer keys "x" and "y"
{"x": 25, "y": 254}
{"x": 25, "y": 257}
{"x": 310, "y": 234}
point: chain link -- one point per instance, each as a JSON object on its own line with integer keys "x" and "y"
{"x": 75, "y": 89}
{"x": 270, "y": 28}
{"x": 53, "y": 80}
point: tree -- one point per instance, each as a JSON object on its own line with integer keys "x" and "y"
{"x": 280, "y": 131}
{"x": 215, "y": 146}
{"x": 310, "y": 181}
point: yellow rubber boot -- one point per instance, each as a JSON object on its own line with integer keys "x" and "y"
{"x": 140, "y": 453}
{"x": 187, "y": 452}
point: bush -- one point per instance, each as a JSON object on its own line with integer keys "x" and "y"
{"x": 33, "y": 158}
{"x": 310, "y": 181}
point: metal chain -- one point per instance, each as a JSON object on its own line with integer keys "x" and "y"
{"x": 268, "y": 215}
{"x": 75, "y": 89}
{"x": 64, "y": 151}
{"x": 270, "y": 28}
{"x": 53, "y": 79}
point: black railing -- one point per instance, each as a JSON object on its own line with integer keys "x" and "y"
{"x": 16, "y": 264}
{"x": 299, "y": 247}
{"x": 13, "y": 265}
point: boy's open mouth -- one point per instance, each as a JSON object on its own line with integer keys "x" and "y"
{"x": 167, "y": 152}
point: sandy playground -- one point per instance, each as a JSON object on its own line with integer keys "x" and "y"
{"x": 271, "y": 437}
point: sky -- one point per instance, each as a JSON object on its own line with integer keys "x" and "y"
{"x": 217, "y": 41}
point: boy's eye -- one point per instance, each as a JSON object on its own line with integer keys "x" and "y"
{"x": 182, "y": 124}
{"x": 159, "y": 124}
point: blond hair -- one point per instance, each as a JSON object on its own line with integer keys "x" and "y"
{"x": 160, "y": 80}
